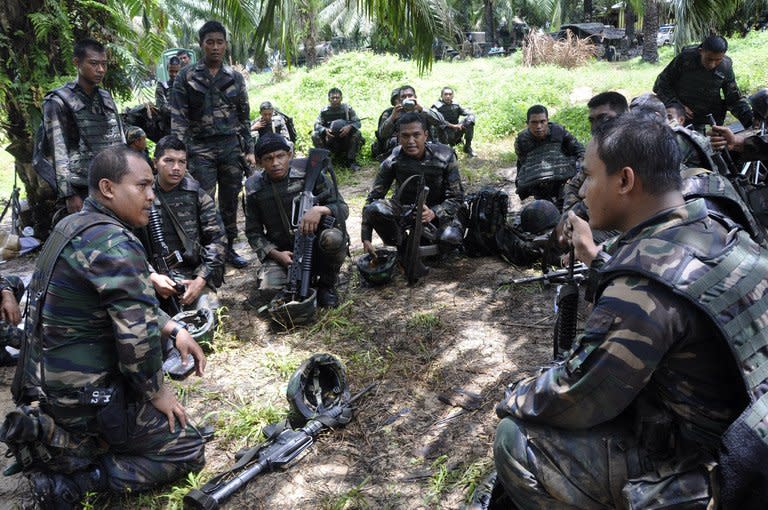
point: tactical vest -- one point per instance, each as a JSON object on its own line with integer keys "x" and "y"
{"x": 450, "y": 112}
{"x": 433, "y": 166}
{"x": 730, "y": 288}
{"x": 328, "y": 114}
{"x": 28, "y": 381}
{"x": 183, "y": 203}
{"x": 97, "y": 131}
{"x": 697, "y": 152}
{"x": 546, "y": 163}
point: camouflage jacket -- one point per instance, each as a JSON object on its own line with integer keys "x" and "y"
{"x": 387, "y": 122}
{"x": 328, "y": 114}
{"x": 264, "y": 225}
{"x": 205, "y": 106}
{"x": 452, "y": 112}
{"x": 525, "y": 143}
{"x": 642, "y": 343}
{"x": 77, "y": 127}
{"x": 197, "y": 231}
{"x": 100, "y": 319}
{"x": 688, "y": 82}
{"x": 163, "y": 96}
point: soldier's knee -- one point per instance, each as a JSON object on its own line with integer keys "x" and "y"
{"x": 377, "y": 210}
{"x": 318, "y": 140}
{"x": 452, "y": 236}
{"x": 331, "y": 241}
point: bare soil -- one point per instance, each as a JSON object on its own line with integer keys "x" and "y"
{"x": 457, "y": 328}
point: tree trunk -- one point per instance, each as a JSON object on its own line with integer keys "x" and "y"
{"x": 650, "y": 29}
{"x": 488, "y": 26}
{"x": 588, "y": 10}
{"x": 629, "y": 22}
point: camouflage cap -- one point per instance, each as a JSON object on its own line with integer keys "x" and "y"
{"x": 539, "y": 216}
{"x": 133, "y": 133}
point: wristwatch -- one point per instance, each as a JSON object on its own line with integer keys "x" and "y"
{"x": 175, "y": 331}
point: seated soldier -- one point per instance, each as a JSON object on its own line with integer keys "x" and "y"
{"x": 635, "y": 414}
{"x": 414, "y": 156}
{"x": 136, "y": 139}
{"x": 269, "y": 198}
{"x": 270, "y": 121}
{"x": 408, "y": 103}
{"x": 516, "y": 241}
{"x": 546, "y": 157}
{"x": 382, "y": 146}
{"x": 92, "y": 356}
{"x": 192, "y": 225}
{"x": 337, "y": 129}
{"x": 12, "y": 290}
{"x": 453, "y": 131}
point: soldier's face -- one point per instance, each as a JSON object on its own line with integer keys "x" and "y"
{"x": 132, "y": 197}
{"x": 184, "y": 58}
{"x": 599, "y": 191}
{"x": 710, "y": 59}
{"x": 538, "y": 125}
{"x": 214, "y": 46}
{"x": 334, "y": 99}
{"x": 267, "y": 115}
{"x": 173, "y": 70}
{"x": 407, "y": 94}
{"x": 92, "y": 67}
{"x": 413, "y": 139}
{"x": 447, "y": 96}
{"x": 674, "y": 119}
{"x": 600, "y": 114}
{"x": 276, "y": 164}
{"x": 171, "y": 168}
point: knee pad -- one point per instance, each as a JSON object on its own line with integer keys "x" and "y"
{"x": 331, "y": 240}
{"x": 452, "y": 235}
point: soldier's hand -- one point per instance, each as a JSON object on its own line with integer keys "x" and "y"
{"x": 328, "y": 133}
{"x": 284, "y": 258}
{"x": 579, "y": 235}
{"x": 9, "y": 308}
{"x": 74, "y": 204}
{"x": 311, "y": 219}
{"x": 257, "y": 124}
{"x": 427, "y": 215}
{"x": 250, "y": 159}
{"x": 397, "y": 111}
{"x": 721, "y": 138}
{"x": 345, "y": 131}
{"x": 166, "y": 402}
{"x": 164, "y": 285}
{"x": 194, "y": 288}
{"x": 368, "y": 247}
{"x": 186, "y": 346}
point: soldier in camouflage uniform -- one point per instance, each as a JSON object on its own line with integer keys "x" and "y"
{"x": 634, "y": 415}
{"x": 268, "y": 227}
{"x": 346, "y": 140}
{"x": 382, "y": 146}
{"x": 699, "y": 78}
{"x": 11, "y": 292}
{"x": 408, "y": 102}
{"x": 163, "y": 94}
{"x": 192, "y": 225}
{"x": 210, "y": 113}
{"x": 454, "y": 131}
{"x": 414, "y": 156}
{"x": 270, "y": 121}
{"x": 92, "y": 357}
{"x": 80, "y": 120}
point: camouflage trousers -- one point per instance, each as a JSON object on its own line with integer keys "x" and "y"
{"x": 348, "y": 147}
{"x": 547, "y": 468}
{"x": 218, "y": 161}
{"x": 384, "y": 216}
{"x": 452, "y": 137}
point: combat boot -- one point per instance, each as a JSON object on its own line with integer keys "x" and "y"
{"x": 490, "y": 495}
{"x": 468, "y": 151}
{"x": 232, "y": 258}
{"x": 56, "y": 491}
{"x": 327, "y": 297}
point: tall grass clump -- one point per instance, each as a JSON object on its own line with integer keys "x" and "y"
{"x": 571, "y": 52}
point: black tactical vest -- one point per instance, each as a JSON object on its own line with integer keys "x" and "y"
{"x": 432, "y": 166}
{"x": 328, "y": 114}
{"x": 546, "y": 163}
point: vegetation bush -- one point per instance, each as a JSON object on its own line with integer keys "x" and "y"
{"x": 540, "y": 48}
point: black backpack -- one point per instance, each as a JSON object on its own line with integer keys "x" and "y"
{"x": 486, "y": 214}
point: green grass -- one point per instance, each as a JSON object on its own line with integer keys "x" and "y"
{"x": 243, "y": 423}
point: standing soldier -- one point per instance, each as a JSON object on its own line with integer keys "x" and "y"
{"x": 699, "y": 78}
{"x": 81, "y": 119}
{"x": 453, "y": 131}
{"x": 337, "y": 129}
{"x": 210, "y": 113}
{"x": 163, "y": 94}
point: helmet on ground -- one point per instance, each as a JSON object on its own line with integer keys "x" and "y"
{"x": 317, "y": 388}
{"x": 337, "y": 125}
{"x": 377, "y": 271}
{"x": 539, "y": 216}
{"x": 288, "y": 314}
{"x": 200, "y": 323}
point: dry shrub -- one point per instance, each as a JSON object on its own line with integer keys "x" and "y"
{"x": 570, "y": 52}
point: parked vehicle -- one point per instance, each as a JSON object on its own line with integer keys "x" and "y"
{"x": 666, "y": 35}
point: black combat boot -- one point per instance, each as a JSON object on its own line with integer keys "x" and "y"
{"x": 56, "y": 491}
{"x": 490, "y": 495}
{"x": 468, "y": 150}
{"x": 327, "y": 297}
{"x": 232, "y": 258}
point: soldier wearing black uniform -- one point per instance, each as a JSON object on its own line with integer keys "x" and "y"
{"x": 454, "y": 130}
{"x": 337, "y": 129}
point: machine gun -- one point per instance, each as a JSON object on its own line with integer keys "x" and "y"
{"x": 163, "y": 260}
{"x": 410, "y": 221}
{"x": 280, "y": 450}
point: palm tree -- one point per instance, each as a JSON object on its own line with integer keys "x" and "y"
{"x": 650, "y": 28}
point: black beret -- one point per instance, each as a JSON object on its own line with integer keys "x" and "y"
{"x": 271, "y": 142}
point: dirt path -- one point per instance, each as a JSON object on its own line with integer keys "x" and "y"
{"x": 457, "y": 328}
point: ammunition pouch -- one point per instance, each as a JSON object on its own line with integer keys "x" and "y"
{"x": 112, "y": 418}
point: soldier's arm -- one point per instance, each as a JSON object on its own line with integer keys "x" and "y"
{"x": 282, "y": 129}
{"x": 469, "y": 117}
{"x": 435, "y": 118}
{"x": 387, "y": 128}
{"x": 381, "y": 184}
{"x": 244, "y": 115}
{"x": 353, "y": 118}
{"x": 180, "y": 107}
{"x": 454, "y": 191}
{"x": 626, "y": 336}
{"x": 521, "y": 154}
{"x": 319, "y": 127}
{"x": 212, "y": 237}
{"x": 735, "y": 100}
{"x": 57, "y": 125}
{"x": 665, "y": 82}
{"x": 160, "y": 100}
{"x": 571, "y": 190}
{"x": 572, "y": 147}
{"x": 254, "y": 229}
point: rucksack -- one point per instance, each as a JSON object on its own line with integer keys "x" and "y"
{"x": 486, "y": 214}
{"x": 288, "y": 125}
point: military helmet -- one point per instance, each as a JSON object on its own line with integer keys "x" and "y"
{"x": 539, "y": 216}
{"x": 317, "y": 387}
{"x": 759, "y": 102}
{"x": 377, "y": 271}
{"x": 337, "y": 125}
{"x": 288, "y": 314}
{"x": 200, "y": 323}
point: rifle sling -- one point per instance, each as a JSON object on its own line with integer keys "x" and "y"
{"x": 281, "y": 209}
{"x": 179, "y": 228}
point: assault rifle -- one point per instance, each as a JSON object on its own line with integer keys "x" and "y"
{"x": 413, "y": 252}
{"x": 300, "y": 270}
{"x": 164, "y": 260}
{"x": 560, "y": 276}
{"x": 279, "y": 451}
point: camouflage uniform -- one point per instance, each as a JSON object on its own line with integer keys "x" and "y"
{"x": 446, "y": 195}
{"x": 100, "y": 328}
{"x": 163, "y": 103}
{"x": 78, "y": 127}
{"x": 10, "y": 334}
{"x": 196, "y": 232}
{"x": 266, "y": 230}
{"x": 348, "y": 146}
{"x": 633, "y": 417}
{"x": 451, "y": 114}
{"x": 544, "y": 166}
{"x": 688, "y": 82}
{"x": 211, "y": 114}
{"x": 388, "y": 124}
